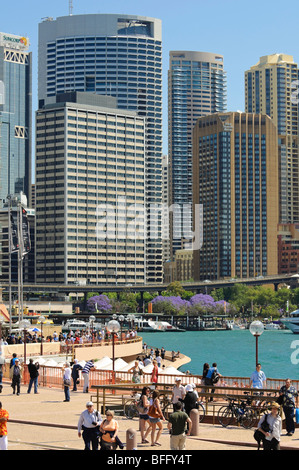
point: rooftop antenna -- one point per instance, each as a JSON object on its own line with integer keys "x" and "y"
{"x": 70, "y": 7}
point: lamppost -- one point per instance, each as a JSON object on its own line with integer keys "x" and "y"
{"x": 121, "y": 319}
{"x": 42, "y": 320}
{"x": 113, "y": 327}
{"x": 92, "y": 319}
{"x": 256, "y": 329}
{"x": 25, "y": 324}
{"x": 1, "y": 324}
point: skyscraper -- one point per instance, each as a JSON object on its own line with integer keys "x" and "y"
{"x": 15, "y": 115}
{"x": 118, "y": 56}
{"x": 196, "y": 88}
{"x": 90, "y": 187}
{"x": 268, "y": 90}
{"x": 235, "y": 178}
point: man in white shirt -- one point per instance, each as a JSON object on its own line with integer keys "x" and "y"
{"x": 90, "y": 421}
{"x": 178, "y": 391}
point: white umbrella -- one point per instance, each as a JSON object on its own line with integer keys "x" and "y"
{"x": 118, "y": 365}
{"x": 105, "y": 361}
{"x": 171, "y": 371}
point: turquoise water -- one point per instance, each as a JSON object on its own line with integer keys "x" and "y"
{"x": 234, "y": 351}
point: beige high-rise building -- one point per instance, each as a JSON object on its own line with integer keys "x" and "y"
{"x": 235, "y": 178}
{"x": 268, "y": 90}
{"x": 90, "y": 192}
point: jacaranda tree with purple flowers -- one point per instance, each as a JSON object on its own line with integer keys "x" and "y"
{"x": 99, "y": 304}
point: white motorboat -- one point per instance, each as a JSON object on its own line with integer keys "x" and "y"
{"x": 272, "y": 326}
{"x": 292, "y": 322}
{"x": 74, "y": 325}
{"x": 154, "y": 326}
{"x": 231, "y": 325}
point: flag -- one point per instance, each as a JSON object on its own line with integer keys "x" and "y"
{"x": 14, "y": 242}
{"x": 26, "y": 233}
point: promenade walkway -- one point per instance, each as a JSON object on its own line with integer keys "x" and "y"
{"x": 44, "y": 421}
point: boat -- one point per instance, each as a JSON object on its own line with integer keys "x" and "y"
{"x": 292, "y": 322}
{"x": 272, "y": 326}
{"x": 154, "y": 326}
{"x": 231, "y": 325}
{"x": 74, "y": 325}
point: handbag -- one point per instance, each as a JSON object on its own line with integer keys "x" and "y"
{"x": 67, "y": 382}
{"x": 153, "y": 412}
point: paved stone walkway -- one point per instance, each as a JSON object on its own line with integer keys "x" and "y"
{"x": 47, "y": 409}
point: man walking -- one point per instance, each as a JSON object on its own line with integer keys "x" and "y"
{"x": 85, "y": 374}
{"x": 288, "y": 394}
{"x": 177, "y": 425}
{"x": 90, "y": 421}
{"x": 3, "y": 428}
{"x": 15, "y": 375}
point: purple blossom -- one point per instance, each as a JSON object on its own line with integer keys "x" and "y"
{"x": 99, "y": 303}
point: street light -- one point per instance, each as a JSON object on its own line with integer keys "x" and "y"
{"x": 25, "y": 324}
{"x": 42, "y": 320}
{"x": 256, "y": 329}
{"x": 121, "y": 319}
{"x": 113, "y": 327}
{"x": 92, "y": 319}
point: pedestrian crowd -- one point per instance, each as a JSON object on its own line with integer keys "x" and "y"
{"x": 98, "y": 431}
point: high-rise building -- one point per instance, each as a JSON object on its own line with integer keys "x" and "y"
{"x": 235, "y": 178}
{"x": 196, "y": 88}
{"x": 90, "y": 192}
{"x": 15, "y": 115}
{"x": 118, "y": 56}
{"x": 268, "y": 90}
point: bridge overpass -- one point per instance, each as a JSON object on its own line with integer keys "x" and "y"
{"x": 197, "y": 287}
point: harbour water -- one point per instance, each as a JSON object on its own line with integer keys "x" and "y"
{"x": 234, "y": 351}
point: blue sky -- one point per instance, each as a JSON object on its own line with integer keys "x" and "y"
{"x": 241, "y": 31}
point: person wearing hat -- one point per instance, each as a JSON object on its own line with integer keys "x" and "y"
{"x": 15, "y": 374}
{"x": 272, "y": 437}
{"x": 178, "y": 392}
{"x": 89, "y": 422}
{"x": 190, "y": 399}
{"x": 75, "y": 374}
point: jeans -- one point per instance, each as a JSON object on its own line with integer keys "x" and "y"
{"x": 35, "y": 382}
{"x": 67, "y": 393}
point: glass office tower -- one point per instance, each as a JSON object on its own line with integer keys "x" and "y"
{"x": 196, "y": 87}
{"x": 15, "y": 116}
{"x": 119, "y": 56}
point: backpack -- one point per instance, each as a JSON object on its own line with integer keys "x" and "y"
{"x": 258, "y": 435}
{"x": 215, "y": 377}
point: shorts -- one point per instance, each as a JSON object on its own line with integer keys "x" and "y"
{"x": 154, "y": 420}
{"x": 145, "y": 417}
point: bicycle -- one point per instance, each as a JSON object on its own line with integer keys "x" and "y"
{"x": 167, "y": 408}
{"x": 241, "y": 412}
{"x": 131, "y": 408}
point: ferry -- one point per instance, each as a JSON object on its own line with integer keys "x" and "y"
{"x": 292, "y": 322}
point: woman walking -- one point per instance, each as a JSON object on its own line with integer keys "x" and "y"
{"x": 155, "y": 415}
{"x": 109, "y": 430}
{"x": 272, "y": 437}
{"x": 155, "y": 372}
{"x": 143, "y": 413}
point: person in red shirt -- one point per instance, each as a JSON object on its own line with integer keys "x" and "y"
{"x": 3, "y": 428}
